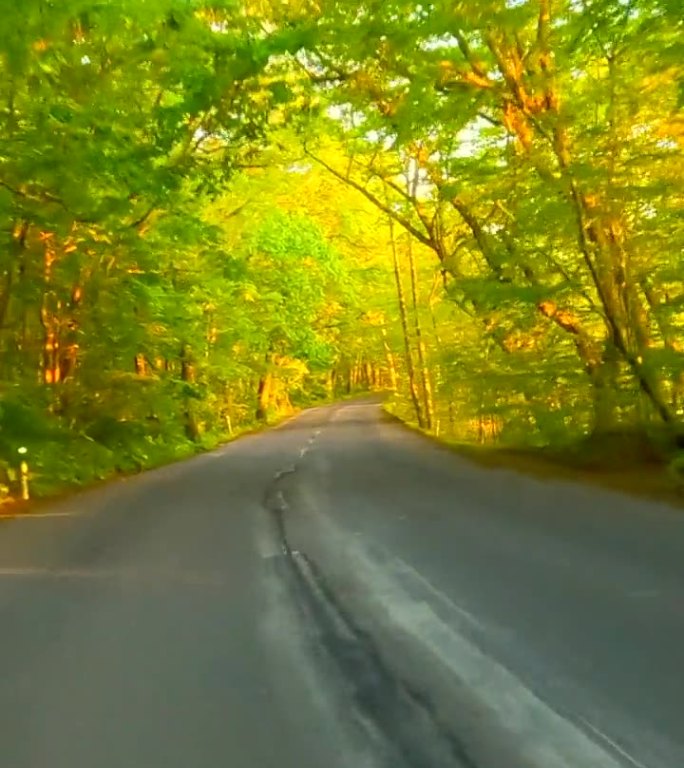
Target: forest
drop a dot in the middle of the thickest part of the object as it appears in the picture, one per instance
(217, 212)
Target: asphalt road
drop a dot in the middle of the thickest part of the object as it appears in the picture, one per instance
(341, 592)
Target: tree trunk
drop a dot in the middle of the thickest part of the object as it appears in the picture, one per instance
(401, 300)
(228, 408)
(391, 366)
(192, 430)
(264, 395)
(428, 403)
(604, 377)
(16, 249)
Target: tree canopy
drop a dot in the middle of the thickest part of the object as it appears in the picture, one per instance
(214, 212)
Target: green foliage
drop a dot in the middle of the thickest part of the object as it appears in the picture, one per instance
(544, 142)
(196, 223)
(127, 316)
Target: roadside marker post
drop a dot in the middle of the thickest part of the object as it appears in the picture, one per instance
(24, 474)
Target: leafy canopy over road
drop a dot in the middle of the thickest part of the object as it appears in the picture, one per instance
(215, 211)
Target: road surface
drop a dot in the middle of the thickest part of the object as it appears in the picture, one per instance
(342, 592)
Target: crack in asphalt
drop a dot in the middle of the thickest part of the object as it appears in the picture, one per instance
(402, 715)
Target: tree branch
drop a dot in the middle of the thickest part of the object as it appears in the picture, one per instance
(387, 209)
(45, 197)
(464, 48)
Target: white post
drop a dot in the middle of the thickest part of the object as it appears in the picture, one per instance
(24, 476)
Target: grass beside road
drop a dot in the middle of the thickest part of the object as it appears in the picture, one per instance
(645, 479)
(624, 462)
(80, 470)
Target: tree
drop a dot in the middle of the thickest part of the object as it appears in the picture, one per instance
(491, 103)
(118, 120)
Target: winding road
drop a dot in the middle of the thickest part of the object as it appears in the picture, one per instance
(341, 592)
